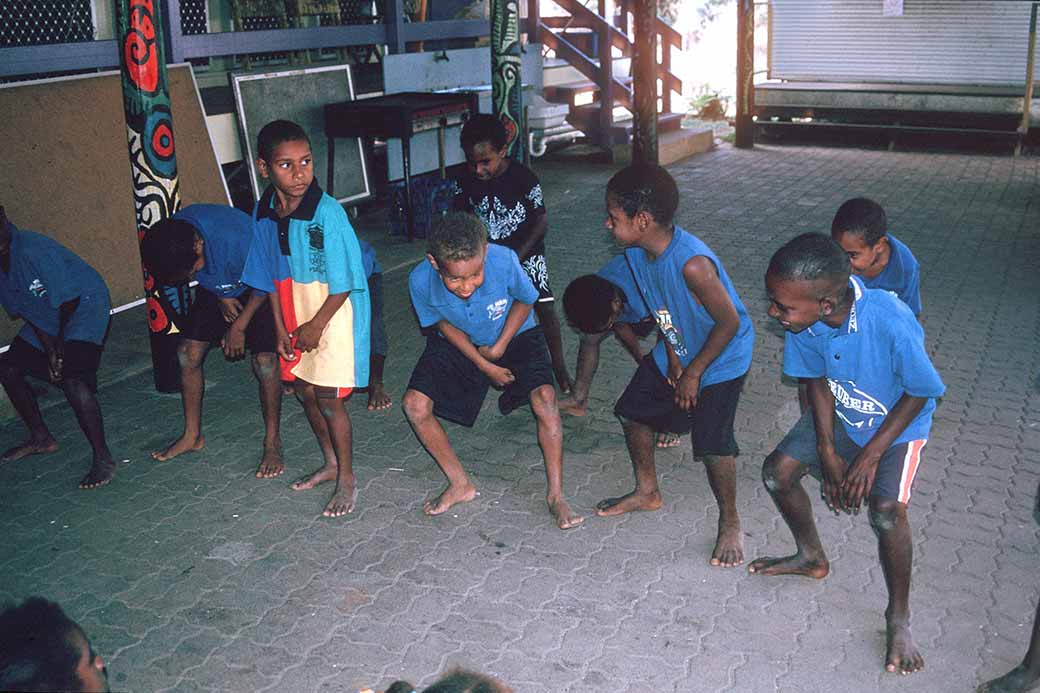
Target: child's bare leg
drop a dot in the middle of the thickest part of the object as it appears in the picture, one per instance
(722, 476)
(576, 403)
(546, 314)
(191, 353)
(377, 396)
(418, 408)
(646, 496)
(782, 478)
(265, 368)
(88, 414)
(20, 393)
(550, 440)
(1023, 677)
(330, 470)
(342, 435)
(896, 549)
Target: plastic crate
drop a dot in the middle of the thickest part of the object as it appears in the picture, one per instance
(431, 197)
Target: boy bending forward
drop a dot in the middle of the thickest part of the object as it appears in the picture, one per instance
(479, 299)
(872, 389)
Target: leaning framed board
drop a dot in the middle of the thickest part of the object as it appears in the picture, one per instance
(300, 96)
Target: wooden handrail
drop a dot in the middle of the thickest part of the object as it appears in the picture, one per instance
(581, 62)
(670, 35)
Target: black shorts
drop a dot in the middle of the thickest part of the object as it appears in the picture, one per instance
(80, 360)
(895, 473)
(458, 388)
(205, 322)
(650, 400)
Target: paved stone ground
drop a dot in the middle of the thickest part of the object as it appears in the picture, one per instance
(194, 575)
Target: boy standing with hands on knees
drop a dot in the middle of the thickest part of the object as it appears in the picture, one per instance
(476, 302)
(692, 379)
(872, 389)
(306, 257)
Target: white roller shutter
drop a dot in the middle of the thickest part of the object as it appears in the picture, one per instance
(934, 42)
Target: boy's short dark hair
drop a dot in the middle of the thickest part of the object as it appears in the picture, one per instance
(863, 217)
(483, 127)
(168, 250)
(456, 236)
(37, 652)
(645, 188)
(276, 132)
(588, 303)
(811, 257)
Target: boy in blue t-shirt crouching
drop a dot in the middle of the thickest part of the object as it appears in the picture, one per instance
(872, 390)
(479, 300)
(692, 379)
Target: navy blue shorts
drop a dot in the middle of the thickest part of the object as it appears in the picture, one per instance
(895, 473)
(80, 360)
(205, 322)
(379, 344)
(650, 400)
(457, 387)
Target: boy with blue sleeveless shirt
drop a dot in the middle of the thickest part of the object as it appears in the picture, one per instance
(209, 243)
(872, 390)
(880, 259)
(693, 377)
(65, 305)
(305, 255)
(476, 301)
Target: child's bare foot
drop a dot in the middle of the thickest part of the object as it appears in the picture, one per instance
(791, 565)
(101, 472)
(668, 440)
(30, 447)
(631, 502)
(343, 499)
(1018, 680)
(729, 546)
(377, 397)
(565, 517)
(901, 654)
(326, 473)
(569, 405)
(179, 447)
(450, 496)
(271, 464)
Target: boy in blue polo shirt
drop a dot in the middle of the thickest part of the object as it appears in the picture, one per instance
(65, 305)
(880, 259)
(209, 243)
(479, 301)
(692, 379)
(305, 255)
(872, 388)
(596, 305)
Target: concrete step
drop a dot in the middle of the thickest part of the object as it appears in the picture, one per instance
(571, 93)
(672, 146)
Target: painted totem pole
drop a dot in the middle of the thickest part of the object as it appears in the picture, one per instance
(153, 166)
(506, 85)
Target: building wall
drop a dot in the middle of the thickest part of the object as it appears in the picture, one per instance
(934, 42)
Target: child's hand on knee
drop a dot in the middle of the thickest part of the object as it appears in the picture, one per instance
(500, 377)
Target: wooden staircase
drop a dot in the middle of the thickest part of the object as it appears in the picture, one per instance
(600, 101)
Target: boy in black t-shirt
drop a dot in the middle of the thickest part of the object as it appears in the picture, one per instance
(507, 196)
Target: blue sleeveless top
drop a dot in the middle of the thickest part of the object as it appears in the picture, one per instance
(684, 322)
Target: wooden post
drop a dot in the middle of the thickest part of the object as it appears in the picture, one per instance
(153, 165)
(506, 86)
(606, 87)
(1027, 99)
(666, 67)
(745, 136)
(534, 17)
(644, 82)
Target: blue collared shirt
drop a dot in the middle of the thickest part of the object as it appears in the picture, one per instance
(901, 276)
(226, 234)
(45, 274)
(482, 315)
(876, 356)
